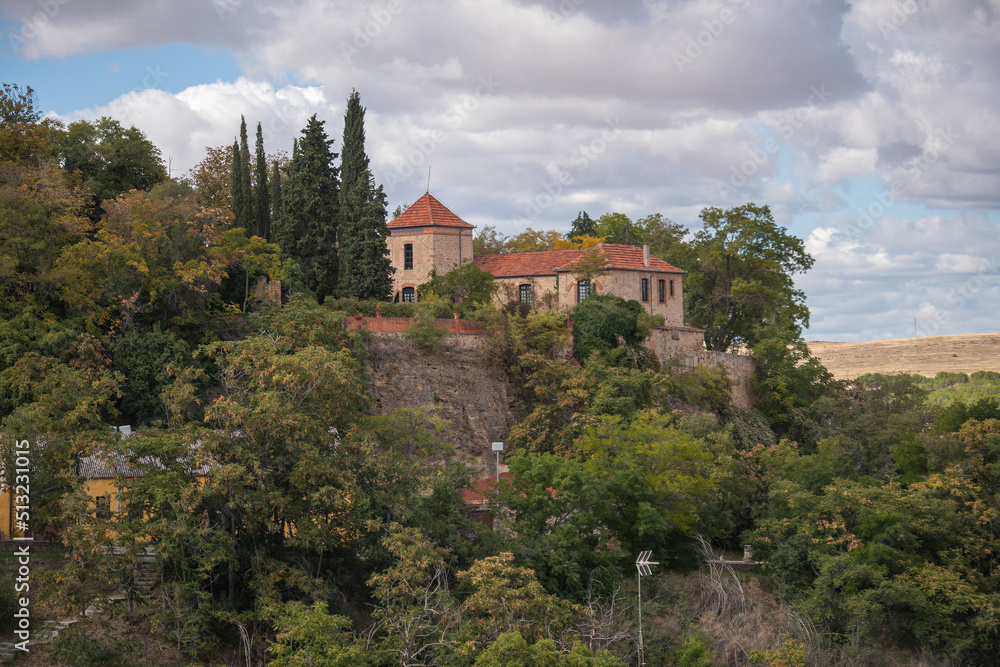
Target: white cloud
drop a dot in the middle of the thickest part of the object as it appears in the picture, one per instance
(846, 163)
(183, 125)
(716, 101)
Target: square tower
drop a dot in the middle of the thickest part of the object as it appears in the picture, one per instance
(425, 237)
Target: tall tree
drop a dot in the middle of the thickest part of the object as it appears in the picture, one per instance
(618, 228)
(740, 277)
(245, 216)
(108, 159)
(307, 227)
(22, 136)
(275, 192)
(365, 270)
(237, 196)
(212, 177)
(262, 197)
(584, 225)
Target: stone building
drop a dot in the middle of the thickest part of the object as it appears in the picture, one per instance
(428, 236)
(548, 279)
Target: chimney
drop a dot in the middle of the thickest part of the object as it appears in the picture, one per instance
(645, 255)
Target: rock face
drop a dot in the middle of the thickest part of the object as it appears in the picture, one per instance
(459, 380)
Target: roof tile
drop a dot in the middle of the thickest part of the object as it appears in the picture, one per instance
(550, 262)
(426, 212)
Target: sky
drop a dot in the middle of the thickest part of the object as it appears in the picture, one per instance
(868, 127)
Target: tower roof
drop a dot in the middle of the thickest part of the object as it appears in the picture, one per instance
(426, 212)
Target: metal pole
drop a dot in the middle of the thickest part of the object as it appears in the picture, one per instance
(642, 659)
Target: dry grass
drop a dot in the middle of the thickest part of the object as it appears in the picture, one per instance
(926, 356)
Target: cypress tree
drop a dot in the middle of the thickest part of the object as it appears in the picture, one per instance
(236, 184)
(245, 216)
(365, 268)
(275, 192)
(262, 197)
(306, 230)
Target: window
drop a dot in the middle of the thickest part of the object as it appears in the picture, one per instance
(409, 295)
(582, 290)
(524, 294)
(662, 290)
(671, 289)
(103, 507)
(408, 257)
(645, 289)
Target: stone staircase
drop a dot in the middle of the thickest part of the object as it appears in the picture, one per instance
(147, 577)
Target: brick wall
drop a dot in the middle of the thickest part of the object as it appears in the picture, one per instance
(397, 325)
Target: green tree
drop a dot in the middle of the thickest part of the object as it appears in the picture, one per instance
(466, 284)
(143, 358)
(488, 241)
(555, 521)
(584, 225)
(531, 240)
(237, 195)
(39, 219)
(363, 257)
(511, 650)
(313, 636)
(618, 228)
(154, 260)
(659, 476)
(307, 227)
(108, 160)
(22, 137)
(415, 606)
(600, 319)
(262, 197)
(212, 177)
(276, 194)
(740, 279)
(245, 214)
(788, 381)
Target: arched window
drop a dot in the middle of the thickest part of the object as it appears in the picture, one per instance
(409, 295)
(582, 290)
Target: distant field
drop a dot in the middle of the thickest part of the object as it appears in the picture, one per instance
(966, 353)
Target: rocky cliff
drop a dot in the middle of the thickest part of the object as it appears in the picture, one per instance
(459, 381)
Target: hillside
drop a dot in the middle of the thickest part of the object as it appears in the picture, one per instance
(928, 356)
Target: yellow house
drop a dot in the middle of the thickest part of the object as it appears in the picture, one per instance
(99, 473)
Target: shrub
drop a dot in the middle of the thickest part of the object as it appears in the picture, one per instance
(8, 604)
(425, 333)
(600, 319)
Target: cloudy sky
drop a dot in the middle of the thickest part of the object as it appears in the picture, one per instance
(869, 127)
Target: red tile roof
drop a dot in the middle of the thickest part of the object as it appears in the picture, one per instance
(549, 262)
(428, 211)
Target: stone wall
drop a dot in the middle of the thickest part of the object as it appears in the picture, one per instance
(687, 345)
(434, 247)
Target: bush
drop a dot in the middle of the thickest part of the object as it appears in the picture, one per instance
(8, 604)
(370, 308)
(425, 333)
(600, 319)
(142, 357)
